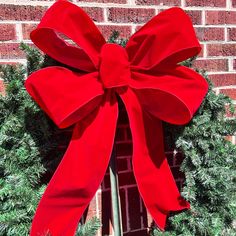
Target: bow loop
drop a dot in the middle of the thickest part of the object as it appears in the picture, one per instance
(165, 40)
(173, 96)
(65, 96)
(114, 66)
(63, 17)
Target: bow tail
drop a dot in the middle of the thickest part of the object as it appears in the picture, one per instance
(79, 174)
(152, 172)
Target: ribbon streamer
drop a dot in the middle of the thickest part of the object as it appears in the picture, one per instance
(152, 85)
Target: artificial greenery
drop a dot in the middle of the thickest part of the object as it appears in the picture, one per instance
(209, 166)
(115, 38)
(23, 145)
(25, 165)
(90, 228)
(210, 170)
(28, 151)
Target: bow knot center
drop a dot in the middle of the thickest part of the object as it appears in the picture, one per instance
(114, 66)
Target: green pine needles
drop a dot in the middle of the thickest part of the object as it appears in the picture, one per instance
(27, 143)
(23, 145)
(210, 170)
(90, 228)
(209, 167)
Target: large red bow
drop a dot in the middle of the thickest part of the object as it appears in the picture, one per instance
(153, 87)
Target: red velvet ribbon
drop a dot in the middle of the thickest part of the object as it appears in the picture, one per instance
(153, 86)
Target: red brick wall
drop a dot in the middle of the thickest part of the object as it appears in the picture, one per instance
(215, 24)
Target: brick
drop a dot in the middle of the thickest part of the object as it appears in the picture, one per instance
(2, 88)
(128, 134)
(21, 12)
(104, 1)
(159, 2)
(177, 173)
(126, 15)
(124, 31)
(169, 157)
(123, 205)
(210, 34)
(234, 3)
(130, 161)
(232, 34)
(123, 117)
(229, 113)
(229, 92)
(212, 65)
(99, 202)
(179, 184)
(234, 64)
(91, 211)
(124, 149)
(95, 13)
(178, 159)
(141, 232)
(221, 49)
(168, 144)
(126, 178)
(149, 219)
(106, 213)
(205, 3)
(229, 138)
(134, 208)
(27, 29)
(122, 164)
(10, 63)
(196, 17)
(144, 215)
(106, 180)
(120, 134)
(7, 32)
(10, 51)
(223, 79)
(220, 17)
(201, 52)
(138, 27)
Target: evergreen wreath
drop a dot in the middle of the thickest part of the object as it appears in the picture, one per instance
(26, 151)
(209, 163)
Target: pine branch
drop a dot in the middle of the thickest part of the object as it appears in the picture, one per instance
(33, 56)
(209, 167)
(90, 228)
